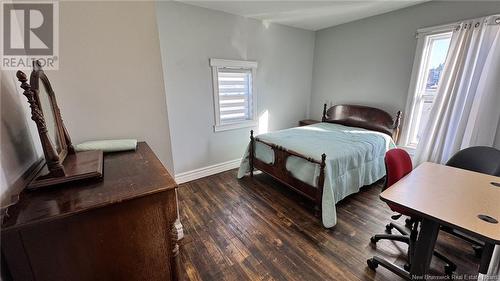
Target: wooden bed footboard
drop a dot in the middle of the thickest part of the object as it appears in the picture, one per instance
(278, 171)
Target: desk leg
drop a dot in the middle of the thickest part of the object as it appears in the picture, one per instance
(424, 249)
(486, 258)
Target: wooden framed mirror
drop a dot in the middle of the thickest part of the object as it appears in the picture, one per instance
(62, 163)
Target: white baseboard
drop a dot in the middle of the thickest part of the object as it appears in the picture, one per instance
(207, 171)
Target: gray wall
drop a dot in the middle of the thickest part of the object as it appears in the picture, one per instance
(110, 82)
(369, 61)
(189, 37)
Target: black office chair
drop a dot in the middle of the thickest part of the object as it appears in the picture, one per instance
(481, 159)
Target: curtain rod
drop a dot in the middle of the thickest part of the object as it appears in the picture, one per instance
(449, 26)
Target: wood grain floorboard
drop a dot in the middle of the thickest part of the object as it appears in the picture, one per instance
(257, 229)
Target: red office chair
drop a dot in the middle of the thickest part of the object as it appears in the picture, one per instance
(398, 164)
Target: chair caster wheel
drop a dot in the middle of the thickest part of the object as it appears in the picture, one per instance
(388, 229)
(407, 267)
(373, 240)
(372, 263)
(408, 222)
(478, 251)
(449, 269)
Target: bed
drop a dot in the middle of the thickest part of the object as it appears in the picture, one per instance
(327, 161)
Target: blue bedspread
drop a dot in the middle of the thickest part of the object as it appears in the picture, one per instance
(354, 158)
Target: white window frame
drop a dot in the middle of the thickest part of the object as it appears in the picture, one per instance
(415, 96)
(217, 64)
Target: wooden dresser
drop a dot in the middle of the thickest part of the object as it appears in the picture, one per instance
(122, 228)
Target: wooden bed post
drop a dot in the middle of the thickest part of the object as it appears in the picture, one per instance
(251, 152)
(323, 119)
(395, 133)
(321, 183)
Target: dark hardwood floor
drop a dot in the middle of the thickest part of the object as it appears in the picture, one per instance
(256, 229)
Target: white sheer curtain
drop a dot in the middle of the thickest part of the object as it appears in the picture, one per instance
(466, 111)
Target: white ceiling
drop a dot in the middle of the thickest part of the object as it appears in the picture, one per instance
(311, 15)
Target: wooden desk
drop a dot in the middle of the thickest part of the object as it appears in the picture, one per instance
(448, 196)
(120, 228)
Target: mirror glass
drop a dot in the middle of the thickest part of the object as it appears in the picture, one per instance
(49, 116)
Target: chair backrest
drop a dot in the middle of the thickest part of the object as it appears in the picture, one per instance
(398, 164)
(482, 159)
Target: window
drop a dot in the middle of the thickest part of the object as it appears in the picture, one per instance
(234, 97)
(432, 49)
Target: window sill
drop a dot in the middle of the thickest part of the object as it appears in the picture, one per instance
(234, 126)
(410, 149)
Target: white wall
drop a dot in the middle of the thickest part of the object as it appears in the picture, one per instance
(189, 37)
(110, 82)
(369, 61)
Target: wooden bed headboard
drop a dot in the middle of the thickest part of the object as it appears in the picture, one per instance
(363, 117)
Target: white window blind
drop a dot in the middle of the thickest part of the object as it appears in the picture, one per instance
(234, 98)
(235, 95)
